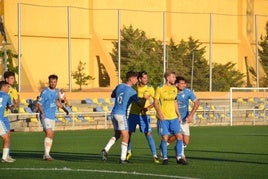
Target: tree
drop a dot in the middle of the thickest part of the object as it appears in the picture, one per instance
(226, 76)
(263, 53)
(80, 76)
(8, 58)
(138, 52)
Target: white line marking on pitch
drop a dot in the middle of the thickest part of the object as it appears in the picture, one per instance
(99, 171)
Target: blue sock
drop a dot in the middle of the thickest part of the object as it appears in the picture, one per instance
(164, 149)
(129, 146)
(151, 144)
(179, 145)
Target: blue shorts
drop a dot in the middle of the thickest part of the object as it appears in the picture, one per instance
(4, 126)
(142, 120)
(168, 127)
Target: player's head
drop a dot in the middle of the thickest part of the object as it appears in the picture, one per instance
(132, 77)
(170, 77)
(52, 81)
(143, 77)
(9, 76)
(180, 82)
(4, 86)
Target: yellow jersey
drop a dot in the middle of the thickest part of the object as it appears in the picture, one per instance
(14, 95)
(142, 91)
(167, 98)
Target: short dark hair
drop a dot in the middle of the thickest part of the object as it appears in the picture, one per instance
(7, 74)
(53, 76)
(141, 73)
(130, 74)
(3, 83)
(180, 78)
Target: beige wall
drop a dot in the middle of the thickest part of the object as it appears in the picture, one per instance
(44, 32)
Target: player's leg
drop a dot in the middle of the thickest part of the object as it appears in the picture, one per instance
(176, 129)
(48, 141)
(186, 137)
(145, 127)
(112, 140)
(162, 128)
(133, 121)
(171, 139)
(5, 134)
(124, 143)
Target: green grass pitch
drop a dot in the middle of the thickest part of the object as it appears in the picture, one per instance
(214, 152)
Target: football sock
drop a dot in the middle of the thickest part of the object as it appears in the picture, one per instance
(151, 144)
(164, 149)
(123, 150)
(47, 145)
(179, 146)
(129, 146)
(110, 144)
(5, 153)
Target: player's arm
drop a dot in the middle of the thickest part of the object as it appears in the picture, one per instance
(177, 110)
(40, 109)
(158, 110)
(192, 112)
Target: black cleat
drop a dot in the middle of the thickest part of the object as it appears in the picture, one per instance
(104, 155)
(165, 162)
(182, 162)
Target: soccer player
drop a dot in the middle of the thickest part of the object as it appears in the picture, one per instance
(139, 117)
(124, 94)
(5, 102)
(183, 97)
(47, 106)
(9, 77)
(168, 116)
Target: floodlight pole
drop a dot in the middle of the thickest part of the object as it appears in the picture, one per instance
(192, 71)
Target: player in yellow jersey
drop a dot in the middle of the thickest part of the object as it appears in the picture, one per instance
(9, 77)
(139, 117)
(168, 116)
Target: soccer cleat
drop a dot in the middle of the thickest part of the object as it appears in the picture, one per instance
(8, 160)
(156, 160)
(165, 162)
(104, 155)
(129, 155)
(123, 162)
(47, 157)
(182, 161)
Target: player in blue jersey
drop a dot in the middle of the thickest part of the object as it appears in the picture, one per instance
(168, 115)
(47, 106)
(183, 97)
(124, 95)
(5, 102)
(140, 118)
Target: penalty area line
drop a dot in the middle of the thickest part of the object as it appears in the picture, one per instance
(97, 171)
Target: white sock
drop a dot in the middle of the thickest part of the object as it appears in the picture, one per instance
(123, 150)
(47, 145)
(5, 153)
(110, 144)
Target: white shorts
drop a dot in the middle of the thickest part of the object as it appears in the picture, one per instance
(4, 126)
(185, 128)
(120, 122)
(48, 124)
